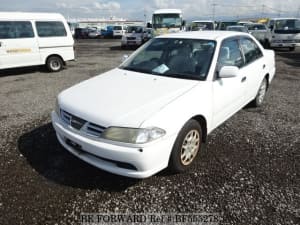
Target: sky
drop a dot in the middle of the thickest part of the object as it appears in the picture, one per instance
(142, 9)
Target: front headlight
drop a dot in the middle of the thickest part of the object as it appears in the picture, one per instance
(133, 135)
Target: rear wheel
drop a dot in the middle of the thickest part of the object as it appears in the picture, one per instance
(54, 64)
(186, 147)
(257, 102)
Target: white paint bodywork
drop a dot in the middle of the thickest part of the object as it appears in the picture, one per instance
(38, 49)
(124, 98)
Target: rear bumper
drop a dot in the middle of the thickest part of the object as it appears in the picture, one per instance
(132, 161)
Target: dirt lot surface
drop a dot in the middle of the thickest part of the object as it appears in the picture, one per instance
(248, 171)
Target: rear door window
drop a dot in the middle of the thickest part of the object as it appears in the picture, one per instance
(251, 50)
(50, 29)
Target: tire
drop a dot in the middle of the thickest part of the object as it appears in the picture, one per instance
(54, 64)
(257, 102)
(186, 147)
(267, 44)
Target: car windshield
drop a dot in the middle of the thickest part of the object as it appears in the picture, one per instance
(166, 20)
(117, 28)
(256, 27)
(173, 57)
(202, 26)
(287, 26)
(134, 29)
(237, 28)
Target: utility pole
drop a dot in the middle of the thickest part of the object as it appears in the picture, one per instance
(263, 10)
(145, 16)
(214, 10)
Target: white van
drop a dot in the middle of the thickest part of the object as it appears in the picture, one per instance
(28, 39)
(119, 31)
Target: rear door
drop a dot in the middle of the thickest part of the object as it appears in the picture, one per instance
(255, 67)
(19, 46)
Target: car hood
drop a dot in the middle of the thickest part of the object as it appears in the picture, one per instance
(122, 98)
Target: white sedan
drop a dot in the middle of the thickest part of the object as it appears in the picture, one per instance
(156, 109)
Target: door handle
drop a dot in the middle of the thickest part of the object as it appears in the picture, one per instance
(244, 79)
(264, 66)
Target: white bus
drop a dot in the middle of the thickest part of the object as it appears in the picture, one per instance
(167, 21)
(29, 39)
(285, 33)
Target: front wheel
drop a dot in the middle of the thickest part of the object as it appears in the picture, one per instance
(186, 147)
(54, 64)
(257, 102)
(267, 44)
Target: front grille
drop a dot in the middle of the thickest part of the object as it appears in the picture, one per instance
(94, 129)
(81, 124)
(130, 38)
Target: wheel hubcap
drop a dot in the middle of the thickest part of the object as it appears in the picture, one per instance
(190, 147)
(55, 65)
(262, 91)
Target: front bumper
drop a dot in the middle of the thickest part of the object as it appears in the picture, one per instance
(131, 161)
(131, 42)
(284, 44)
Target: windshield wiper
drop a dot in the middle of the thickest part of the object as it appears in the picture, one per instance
(184, 76)
(135, 69)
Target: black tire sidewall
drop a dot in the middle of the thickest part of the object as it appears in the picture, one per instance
(175, 164)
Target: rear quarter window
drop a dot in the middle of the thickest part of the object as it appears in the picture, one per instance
(50, 29)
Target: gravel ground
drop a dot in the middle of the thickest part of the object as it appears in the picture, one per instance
(248, 171)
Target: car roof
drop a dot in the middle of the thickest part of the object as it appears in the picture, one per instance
(167, 11)
(29, 16)
(238, 26)
(206, 35)
(202, 21)
(285, 18)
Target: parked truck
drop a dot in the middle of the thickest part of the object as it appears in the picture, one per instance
(285, 33)
(260, 32)
(167, 21)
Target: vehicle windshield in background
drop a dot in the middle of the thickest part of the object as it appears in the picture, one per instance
(256, 27)
(172, 57)
(224, 25)
(237, 28)
(287, 26)
(202, 26)
(166, 21)
(134, 29)
(117, 28)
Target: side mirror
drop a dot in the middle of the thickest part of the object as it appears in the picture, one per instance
(228, 71)
(183, 23)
